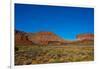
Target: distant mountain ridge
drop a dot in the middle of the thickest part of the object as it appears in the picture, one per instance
(49, 38)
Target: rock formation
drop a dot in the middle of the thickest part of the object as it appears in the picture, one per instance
(85, 37)
(21, 38)
(45, 38)
(49, 38)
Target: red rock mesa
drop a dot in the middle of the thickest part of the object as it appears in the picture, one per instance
(85, 37)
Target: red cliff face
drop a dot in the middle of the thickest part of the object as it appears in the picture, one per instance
(39, 38)
(21, 38)
(44, 38)
(85, 37)
(49, 38)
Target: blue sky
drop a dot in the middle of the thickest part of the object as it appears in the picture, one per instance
(66, 22)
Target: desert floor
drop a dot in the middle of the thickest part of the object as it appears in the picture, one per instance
(32, 54)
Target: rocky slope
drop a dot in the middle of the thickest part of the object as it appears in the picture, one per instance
(21, 38)
(49, 38)
(45, 38)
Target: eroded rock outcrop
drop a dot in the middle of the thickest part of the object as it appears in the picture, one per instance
(49, 38)
(45, 38)
(21, 38)
(85, 37)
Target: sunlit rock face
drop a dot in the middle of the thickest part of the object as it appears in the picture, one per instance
(49, 38)
(85, 37)
(38, 38)
(45, 38)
